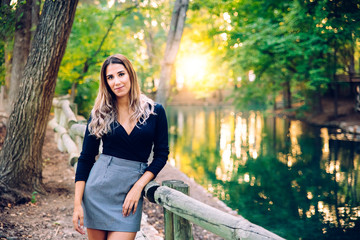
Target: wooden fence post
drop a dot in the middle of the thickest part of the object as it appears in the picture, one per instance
(176, 227)
(182, 227)
(169, 216)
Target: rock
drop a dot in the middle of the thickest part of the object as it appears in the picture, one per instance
(343, 125)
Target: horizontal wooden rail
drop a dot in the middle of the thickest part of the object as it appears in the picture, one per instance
(209, 218)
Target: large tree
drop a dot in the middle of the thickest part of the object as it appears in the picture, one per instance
(21, 156)
(26, 18)
(172, 46)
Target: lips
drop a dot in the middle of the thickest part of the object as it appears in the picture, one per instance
(118, 88)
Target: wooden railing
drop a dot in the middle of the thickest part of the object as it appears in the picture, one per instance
(69, 132)
(179, 208)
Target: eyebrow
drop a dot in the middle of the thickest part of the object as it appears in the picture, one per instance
(117, 72)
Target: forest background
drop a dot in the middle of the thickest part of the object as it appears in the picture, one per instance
(265, 51)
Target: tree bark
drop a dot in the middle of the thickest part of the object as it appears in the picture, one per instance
(35, 15)
(8, 60)
(172, 47)
(21, 156)
(21, 47)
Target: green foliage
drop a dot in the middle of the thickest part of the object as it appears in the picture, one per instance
(2, 62)
(7, 22)
(93, 38)
(85, 96)
(33, 197)
(250, 96)
(285, 41)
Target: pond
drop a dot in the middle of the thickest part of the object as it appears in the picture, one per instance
(296, 180)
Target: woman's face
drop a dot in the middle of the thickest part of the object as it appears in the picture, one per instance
(118, 79)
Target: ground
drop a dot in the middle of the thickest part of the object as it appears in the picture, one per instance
(49, 216)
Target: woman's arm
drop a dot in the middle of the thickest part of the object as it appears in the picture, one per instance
(133, 196)
(161, 142)
(161, 152)
(78, 215)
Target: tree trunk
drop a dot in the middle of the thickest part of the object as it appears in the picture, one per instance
(317, 103)
(8, 60)
(287, 94)
(352, 72)
(172, 47)
(335, 83)
(21, 47)
(7, 55)
(35, 14)
(20, 158)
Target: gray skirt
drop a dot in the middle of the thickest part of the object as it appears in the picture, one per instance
(110, 179)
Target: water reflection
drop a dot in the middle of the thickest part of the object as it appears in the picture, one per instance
(296, 180)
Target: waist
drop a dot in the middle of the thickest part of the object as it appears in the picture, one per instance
(129, 156)
(121, 161)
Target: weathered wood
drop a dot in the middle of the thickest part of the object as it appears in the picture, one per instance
(150, 189)
(67, 111)
(73, 158)
(66, 117)
(182, 227)
(168, 215)
(78, 129)
(56, 127)
(79, 141)
(71, 148)
(209, 218)
(65, 142)
(57, 113)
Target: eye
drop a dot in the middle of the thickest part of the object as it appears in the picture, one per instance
(121, 74)
(109, 77)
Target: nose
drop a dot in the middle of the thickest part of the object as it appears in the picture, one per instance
(117, 80)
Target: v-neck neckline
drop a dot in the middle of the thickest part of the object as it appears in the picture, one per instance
(132, 130)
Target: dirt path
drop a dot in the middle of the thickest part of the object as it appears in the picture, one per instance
(50, 216)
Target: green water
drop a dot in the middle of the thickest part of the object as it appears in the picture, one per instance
(293, 179)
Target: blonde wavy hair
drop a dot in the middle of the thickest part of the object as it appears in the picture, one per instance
(105, 111)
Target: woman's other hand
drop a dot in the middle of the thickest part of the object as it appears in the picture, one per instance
(78, 219)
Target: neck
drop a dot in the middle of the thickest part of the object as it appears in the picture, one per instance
(123, 103)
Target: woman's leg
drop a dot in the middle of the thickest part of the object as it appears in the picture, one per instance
(121, 235)
(95, 234)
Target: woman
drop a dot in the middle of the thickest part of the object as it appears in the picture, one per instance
(108, 192)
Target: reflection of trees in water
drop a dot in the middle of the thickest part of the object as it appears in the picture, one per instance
(345, 181)
(304, 199)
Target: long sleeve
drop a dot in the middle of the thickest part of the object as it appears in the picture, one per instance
(87, 157)
(161, 142)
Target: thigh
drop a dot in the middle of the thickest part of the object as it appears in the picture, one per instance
(95, 234)
(121, 235)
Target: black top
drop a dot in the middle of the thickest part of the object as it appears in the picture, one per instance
(136, 146)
